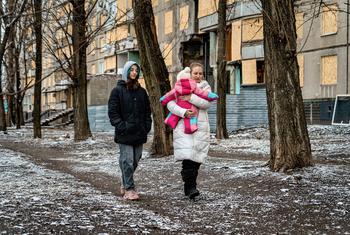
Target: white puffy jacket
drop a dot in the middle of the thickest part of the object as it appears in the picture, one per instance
(194, 146)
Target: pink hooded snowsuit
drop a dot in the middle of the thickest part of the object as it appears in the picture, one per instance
(185, 86)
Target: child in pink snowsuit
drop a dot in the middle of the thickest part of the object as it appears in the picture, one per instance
(185, 86)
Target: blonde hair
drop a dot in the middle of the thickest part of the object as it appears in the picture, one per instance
(196, 64)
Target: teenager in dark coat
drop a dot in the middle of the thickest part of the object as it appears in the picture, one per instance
(130, 113)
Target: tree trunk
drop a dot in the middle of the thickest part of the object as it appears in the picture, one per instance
(155, 74)
(221, 130)
(81, 122)
(8, 25)
(18, 99)
(2, 113)
(11, 73)
(289, 139)
(38, 69)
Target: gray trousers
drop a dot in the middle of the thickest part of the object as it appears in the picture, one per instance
(128, 161)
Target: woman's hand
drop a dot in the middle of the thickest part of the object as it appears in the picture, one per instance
(189, 113)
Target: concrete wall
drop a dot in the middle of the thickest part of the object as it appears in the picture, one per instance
(316, 45)
(312, 88)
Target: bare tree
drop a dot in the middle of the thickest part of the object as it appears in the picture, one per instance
(289, 139)
(81, 122)
(221, 129)
(155, 73)
(66, 42)
(8, 21)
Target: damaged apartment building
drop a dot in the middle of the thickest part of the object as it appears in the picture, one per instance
(187, 32)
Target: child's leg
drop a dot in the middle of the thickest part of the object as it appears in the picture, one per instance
(191, 125)
(187, 124)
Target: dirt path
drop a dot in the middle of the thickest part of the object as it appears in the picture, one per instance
(238, 195)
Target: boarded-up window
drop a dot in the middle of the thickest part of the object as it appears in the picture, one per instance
(102, 44)
(121, 11)
(92, 48)
(93, 23)
(236, 40)
(111, 35)
(168, 54)
(329, 19)
(299, 23)
(122, 32)
(252, 29)
(301, 69)
(154, 2)
(329, 70)
(110, 63)
(168, 23)
(103, 19)
(207, 7)
(93, 69)
(184, 17)
(249, 71)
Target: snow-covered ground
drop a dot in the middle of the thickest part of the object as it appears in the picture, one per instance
(238, 195)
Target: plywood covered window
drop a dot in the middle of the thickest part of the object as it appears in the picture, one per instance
(329, 19)
(207, 7)
(122, 32)
(92, 48)
(168, 23)
(102, 44)
(252, 29)
(110, 63)
(301, 69)
(184, 17)
(93, 23)
(154, 3)
(236, 40)
(121, 10)
(111, 35)
(93, 69)
(249, 72)
(168, 54)
(299, 23)
(329, 70)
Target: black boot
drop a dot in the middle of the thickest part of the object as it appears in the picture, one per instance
(193, 192)
(189, 175)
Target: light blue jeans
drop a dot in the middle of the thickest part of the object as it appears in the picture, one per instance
(128, 161)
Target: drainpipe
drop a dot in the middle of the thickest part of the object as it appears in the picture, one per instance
(347, 47)
(196, 17)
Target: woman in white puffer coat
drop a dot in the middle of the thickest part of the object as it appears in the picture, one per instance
(192, 149)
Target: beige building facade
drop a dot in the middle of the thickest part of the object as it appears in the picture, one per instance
(186, 33)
